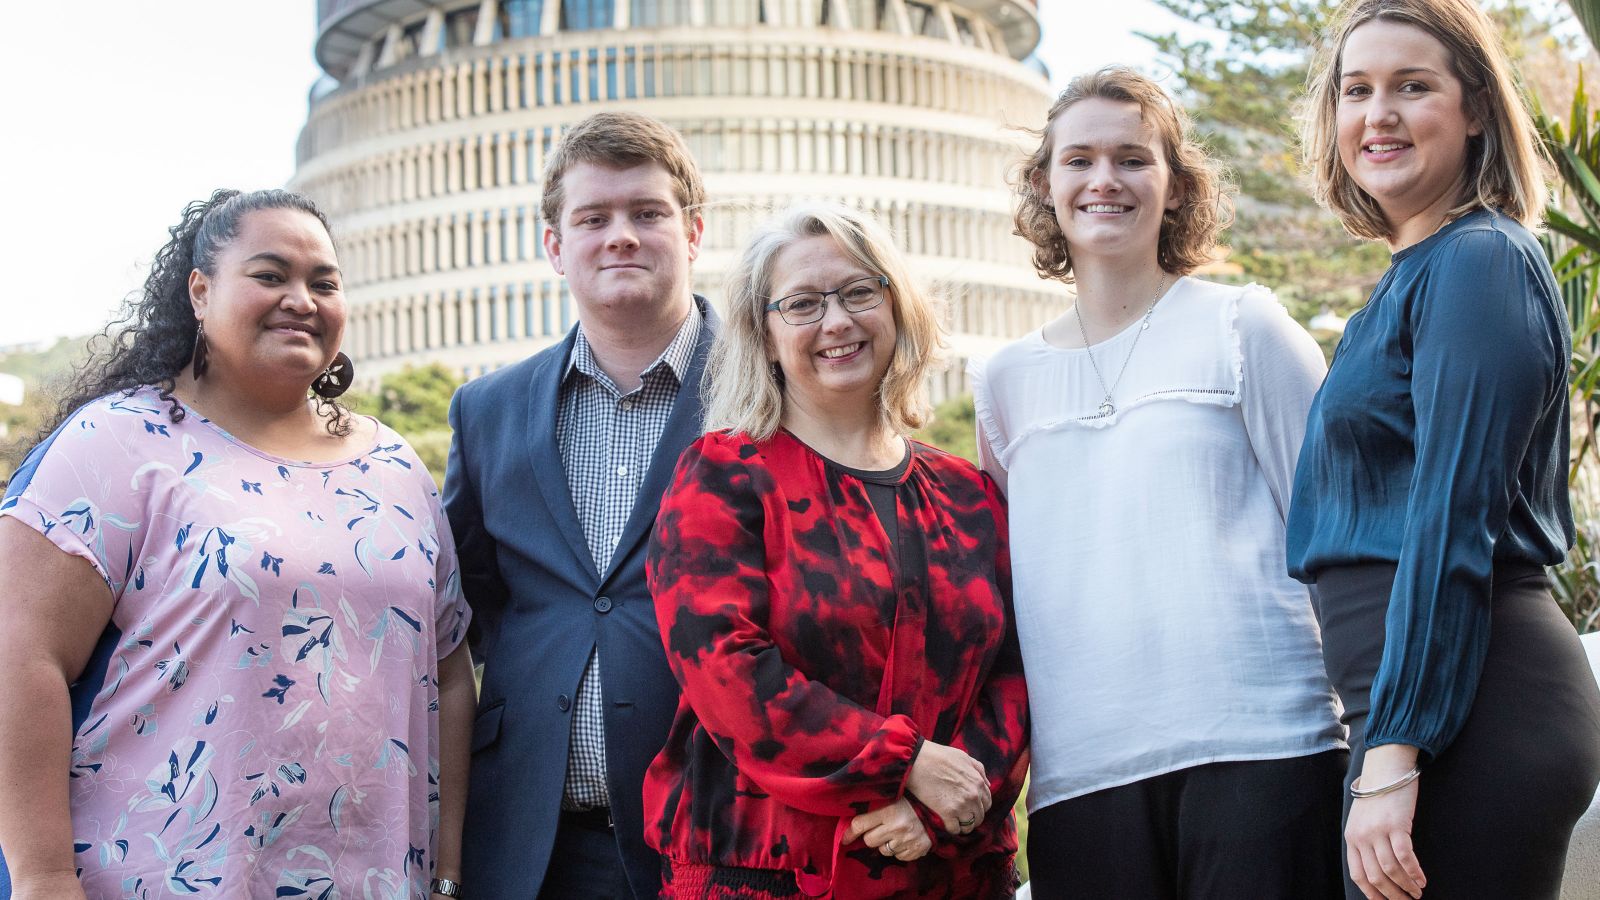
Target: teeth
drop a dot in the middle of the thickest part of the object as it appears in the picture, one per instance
(836, 352)
(1105, 208)
(1383, 148)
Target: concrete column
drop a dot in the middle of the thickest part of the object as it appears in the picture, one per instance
(513, 301)
(429, 38)
(483, 34)
(496, 85)
(494, 252)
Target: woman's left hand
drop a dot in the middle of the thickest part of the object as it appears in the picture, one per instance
(892, 830)
(1377, 835)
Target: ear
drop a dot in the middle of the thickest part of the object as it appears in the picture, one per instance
(697, 231)
(1474, 128)
(1177, 192)
(552, 249)
(199, 293)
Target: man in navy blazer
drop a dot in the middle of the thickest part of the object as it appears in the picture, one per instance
(556, 471)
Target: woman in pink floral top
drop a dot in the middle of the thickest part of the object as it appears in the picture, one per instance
(233, 641)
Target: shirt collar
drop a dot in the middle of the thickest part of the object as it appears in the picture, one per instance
(676, 357)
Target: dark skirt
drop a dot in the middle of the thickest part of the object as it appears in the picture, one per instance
(1496, 809)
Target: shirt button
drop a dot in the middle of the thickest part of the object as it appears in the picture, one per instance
(622, 470)
(563, 703)
(602, 604)
(627, 405)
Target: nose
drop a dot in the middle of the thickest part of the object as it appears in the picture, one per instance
(1382, 111)
(620, 235)
(1104, 178)
(834, 316)
(297, 298)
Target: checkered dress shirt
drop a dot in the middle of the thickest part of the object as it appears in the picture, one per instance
(607, 439)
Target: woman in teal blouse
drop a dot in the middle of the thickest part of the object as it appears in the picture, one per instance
(1431, 490)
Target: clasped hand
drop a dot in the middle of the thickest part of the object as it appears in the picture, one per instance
(951, 784)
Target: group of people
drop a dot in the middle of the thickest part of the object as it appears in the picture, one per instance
(1257, 627)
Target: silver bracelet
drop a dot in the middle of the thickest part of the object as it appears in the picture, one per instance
(1362, 794)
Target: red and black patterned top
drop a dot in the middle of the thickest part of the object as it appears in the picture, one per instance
(814, 660)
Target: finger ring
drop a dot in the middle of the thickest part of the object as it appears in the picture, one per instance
(889, 846)
(967, 823)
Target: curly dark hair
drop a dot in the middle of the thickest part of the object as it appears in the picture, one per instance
(153, 336)
(1188, 234)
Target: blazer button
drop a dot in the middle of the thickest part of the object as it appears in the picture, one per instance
(602, 604)
(563, 703)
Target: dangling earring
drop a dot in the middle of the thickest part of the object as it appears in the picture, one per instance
(201, 360)
(336, 378)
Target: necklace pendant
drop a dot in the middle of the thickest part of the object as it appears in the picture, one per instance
(1106, 407)
(1146, 325)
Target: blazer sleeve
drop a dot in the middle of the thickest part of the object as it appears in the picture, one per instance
(802, 742)
(476, 559)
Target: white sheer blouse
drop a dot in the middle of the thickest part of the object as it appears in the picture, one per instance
(1160, 629)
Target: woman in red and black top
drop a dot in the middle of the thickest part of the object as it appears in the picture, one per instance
(835, 600)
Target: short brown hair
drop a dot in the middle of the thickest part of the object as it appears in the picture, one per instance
(1188, 234)
(744, 391)
(1505, 167)
(622, 140)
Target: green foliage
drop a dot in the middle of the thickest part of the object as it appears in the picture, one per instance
(411, 401)
(1574, 251)
(954, 428)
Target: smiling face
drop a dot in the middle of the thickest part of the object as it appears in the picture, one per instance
(274, 307)
(838, 361)
(623, 243)
(1402, 127)
(1109, 180)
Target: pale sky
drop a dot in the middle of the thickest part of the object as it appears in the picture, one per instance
(121, 112)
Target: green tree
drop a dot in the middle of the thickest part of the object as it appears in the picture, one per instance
(954, 428)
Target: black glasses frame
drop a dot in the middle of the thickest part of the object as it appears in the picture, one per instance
(822, 308)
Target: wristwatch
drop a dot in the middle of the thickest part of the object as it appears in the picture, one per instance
(447, 888)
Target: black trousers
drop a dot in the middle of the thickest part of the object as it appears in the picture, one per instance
(1263, 829)
(585, 864)
(1495, 811)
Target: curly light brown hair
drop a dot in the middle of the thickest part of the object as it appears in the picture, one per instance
(1188, 233)
(1506, 164)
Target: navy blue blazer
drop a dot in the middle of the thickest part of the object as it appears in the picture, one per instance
(539, 608)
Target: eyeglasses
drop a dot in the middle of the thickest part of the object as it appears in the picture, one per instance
(809, 306)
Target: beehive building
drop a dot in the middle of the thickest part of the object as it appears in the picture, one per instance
(426, 138)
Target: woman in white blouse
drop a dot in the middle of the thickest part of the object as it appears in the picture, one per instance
(1185, 738)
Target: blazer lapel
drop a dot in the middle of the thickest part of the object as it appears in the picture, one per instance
(683, 426)
(549, 472)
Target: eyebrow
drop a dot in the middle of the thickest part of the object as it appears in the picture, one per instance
(632, 204)
(274, 258)
(1408, 70)
(1145, 147)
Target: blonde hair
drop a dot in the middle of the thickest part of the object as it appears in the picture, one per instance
(1188, 234)
(622, 140)
(1505, 167)
(745, 391)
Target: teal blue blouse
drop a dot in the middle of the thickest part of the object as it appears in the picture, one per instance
(1439, 443)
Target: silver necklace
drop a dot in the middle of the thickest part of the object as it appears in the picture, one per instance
(1106, 406)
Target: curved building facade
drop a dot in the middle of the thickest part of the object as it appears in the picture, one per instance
(426, 141)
